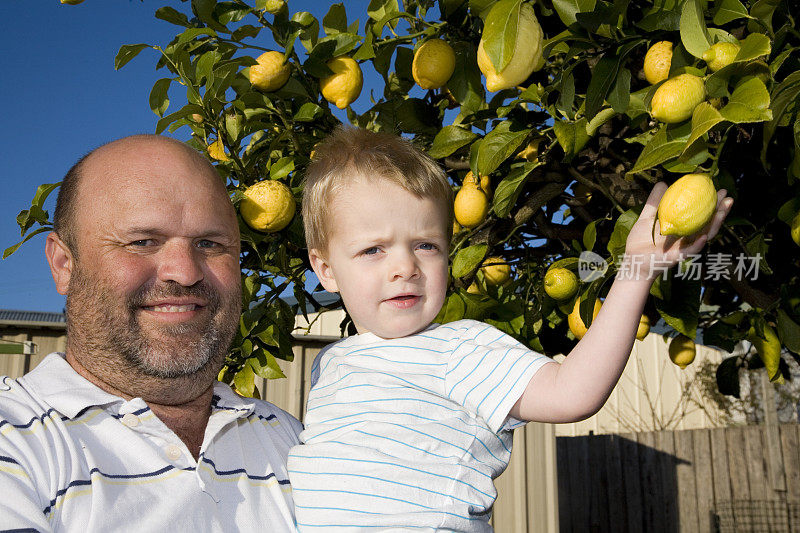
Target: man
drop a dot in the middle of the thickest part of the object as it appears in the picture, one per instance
(128, 430)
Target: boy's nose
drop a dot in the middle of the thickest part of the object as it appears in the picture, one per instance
(404, 266)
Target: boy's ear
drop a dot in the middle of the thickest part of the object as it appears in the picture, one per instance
(61, 261)
(323, 270)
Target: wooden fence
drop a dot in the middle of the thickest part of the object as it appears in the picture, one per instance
(727, 479)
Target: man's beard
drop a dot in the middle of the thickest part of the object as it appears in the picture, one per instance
(102, 326)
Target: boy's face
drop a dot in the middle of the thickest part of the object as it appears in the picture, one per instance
(386, 256)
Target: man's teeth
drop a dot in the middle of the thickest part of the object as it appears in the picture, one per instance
(174, 308)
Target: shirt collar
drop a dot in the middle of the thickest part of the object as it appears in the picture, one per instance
(61, 387)
(225, 398)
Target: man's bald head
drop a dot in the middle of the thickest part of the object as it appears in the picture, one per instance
(98, 161)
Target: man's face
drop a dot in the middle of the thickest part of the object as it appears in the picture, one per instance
(156, 281)
(387, 256)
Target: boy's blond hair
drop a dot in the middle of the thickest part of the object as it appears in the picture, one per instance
(350, 153)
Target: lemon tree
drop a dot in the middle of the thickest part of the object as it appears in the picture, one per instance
(567, 111)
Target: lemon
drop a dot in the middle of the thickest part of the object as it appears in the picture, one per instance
(682, 351)
(720, 55)
(576, 325)
(271, 72)
(471, 206)
(560, 283)
(217, 151)
(531, 151)
(644, 327)
(769, 350)
(527, 56)
(495, 270)
(343, 86)
(795, 229)
(676, 98)
(687, 205)
(456, 227)
(434, 63)
(273, 7)
(657, 61)
(485, 183)
(268, 206)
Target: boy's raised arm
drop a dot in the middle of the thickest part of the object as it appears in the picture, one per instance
(577, 388)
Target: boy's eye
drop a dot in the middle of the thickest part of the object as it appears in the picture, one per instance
(370, 251)
(428, 246)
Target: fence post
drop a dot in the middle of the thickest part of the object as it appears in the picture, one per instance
(777, 474)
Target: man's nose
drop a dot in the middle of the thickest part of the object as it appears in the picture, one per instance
(404, 266)
(180, 262)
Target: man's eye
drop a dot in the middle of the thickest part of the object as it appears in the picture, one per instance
(205, 243)
(142, 242)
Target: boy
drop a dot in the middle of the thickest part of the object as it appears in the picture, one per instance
(409, 422)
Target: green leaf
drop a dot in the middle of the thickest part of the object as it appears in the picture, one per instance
(265, 365)
(205, 67)
(172, 16)
(204, 9)
(748, 103)
(11, 249)
(335, 21)
(694, 34)
(728, 10)
(728, 377)
(465, 83)
(567, 9)
(603, 76)
(448, 140)
(763, 11)
(788, 331)
(452, 310)
(467, 259)
(619, 237)
(508, 190)
(752, 47)
(500, 32)
(310, 25)
(244, 380)
(572, 136)
(380, 9)
(281, 168)
(497, 146)
(666, 144)
(159, 100)
(682, 310)
(42, 192)
(308, 112)
(784, 95)
(126, 53)
(590, 235)
(620, 95)
(247, 30)
(704, 117)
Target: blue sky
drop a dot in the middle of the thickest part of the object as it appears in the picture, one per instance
(62, 97)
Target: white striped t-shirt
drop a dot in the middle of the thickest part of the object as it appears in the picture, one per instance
(409, 433)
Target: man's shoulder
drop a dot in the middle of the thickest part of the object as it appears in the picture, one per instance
(18, 404)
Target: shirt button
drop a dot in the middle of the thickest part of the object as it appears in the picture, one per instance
(130, 420)
(173, 452)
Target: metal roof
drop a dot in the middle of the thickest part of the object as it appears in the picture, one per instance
(41, 318)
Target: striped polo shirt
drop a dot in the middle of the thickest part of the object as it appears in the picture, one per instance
(409, 433)
(76, 458)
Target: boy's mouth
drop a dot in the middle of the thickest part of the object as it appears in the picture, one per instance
(403, 301)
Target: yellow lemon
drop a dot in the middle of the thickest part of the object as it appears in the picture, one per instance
(795, 229)
(268, 206)
(682, 351)
(471, 206)
(644, 327)
(217, 151)
(675, 99)
(527, 56)
(657, 61)
(271, 72)
(495, 270)
(434, 63)
(769, 350)
(720, 55)
(273, 7)
(560, 283)
(687, 205)
(343, 86)
(576, 325)
(485, 183)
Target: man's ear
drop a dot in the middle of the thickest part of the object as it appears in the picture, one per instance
(61, 261)
(323, 270)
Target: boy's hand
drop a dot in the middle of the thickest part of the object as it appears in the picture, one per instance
(643, 252)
